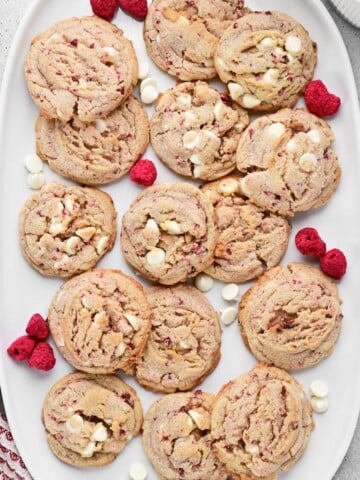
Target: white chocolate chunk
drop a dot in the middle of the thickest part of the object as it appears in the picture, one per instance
(271, 75)
(183, 344)
(111, 52)
(86, 233)
(314, 135)
(74, 424)
(100, 433)
(210, 134)
(35, 180)
(195, 159)
(100, 125)
(235, 90)
(293, 44)
(230, 292)
(102, 244)
(268, 42)
(228, 315)
(152, 226)
(276, 130)
(203, 282)
(84, 302)
(134, 321)
(137, 471)
(69, 205)
(72, 244)
(100, 319)
(202, 421)
(228, 186)
(245, 187)
(184, 100)
(33, 163)
(197, 172)
(88, 450)
(172, 227)
(120, 349)
(155, 256)
(250, 101)
(190, 118)
(279, 51)
(252, 449)
(319, 389)
(291, 146)
(149, 94)
(219, 111)
(319, 405)
(307, 162)
(191, 139)
(143, 70)
(56, 227)
(62, 262)
(147, 82)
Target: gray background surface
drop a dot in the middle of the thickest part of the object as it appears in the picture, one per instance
(11, 13)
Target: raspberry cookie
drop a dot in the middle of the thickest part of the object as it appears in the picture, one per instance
(81, 67)
(287, 162)
(267, 59)
(94, 153)
(90, 418)
(181, 35)
(100, 321)
(168, 233)
(250, 240)
(65, 230)
(176, 437)
(260, 422)
(195, 130)
(184, 344)
(291, 317)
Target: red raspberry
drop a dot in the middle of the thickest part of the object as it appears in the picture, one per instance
(143, 173)
(42, 357)
(319, 100)
(21, 348)
(104, 8)
(333, 263)
(37, 327)
(308, 242)
(136, 8)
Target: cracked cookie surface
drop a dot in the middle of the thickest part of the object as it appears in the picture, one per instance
(94, 153)
(250, 240)
(260, 422)
(181, 35)
(195, 130)
(100, 321)
(267, 59)
(168, 233)
(287, 162)
(90, 418)
(65, 230)
(80, 66)
(184, 343)
(291, 317)
(176, 437)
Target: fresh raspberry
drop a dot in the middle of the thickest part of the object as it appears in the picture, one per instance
(42, 357)
(308, 242)
(136, 8)
(143, 173)
(104, 8)
(37, 327)
(333, 263)
(21, 348)
(319, 100)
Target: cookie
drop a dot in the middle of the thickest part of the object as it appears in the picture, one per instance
(287, 162)
(176, 437)
(65, 230)
(94, 153)
(100, 321)
(181, 35)
(184, 343)
(90, 418)
(266, 59)
(260, 422)
(195, 130)
(291, 317)
(250, 240)
(81, 67)
(168, 233)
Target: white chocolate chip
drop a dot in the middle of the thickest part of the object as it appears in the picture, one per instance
(268, 42)
(279, 51)
(33, 163)
(86, 233)
(228, 315)
(203, 282)
(276, 129)
(211, 134)
(219, 111)
(134, 321)
(314, 135)
(235, 90)
(110, 52)
(84, 302)
(172, 227)
(137, 471)
(197, 172)
(100, 320)
(195, 159)
(319, 389)
(271, 75)
(64, 260)
(149, 94)
(35, 180)
(245, 187)
(68, 204)
(100, 125)
(56, 227)
(319, 405)
(88, 450)
(291, 146)
(307, 162)
(190, 118)
(183, 344)
(228, 186)
(293, 44)
(230, 292)
(152, 226)
(252, 449)
(155, 256)
(102, 244)
(72, 244)
(74, 424)
(250, 101)
(120, 349)
(201, 421)
(100, 433)
(191, 139)
(147, 82)
(184, 100)
(143, 70)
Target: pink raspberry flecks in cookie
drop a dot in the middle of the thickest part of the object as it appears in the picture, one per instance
(21, 348)
(319, 100)
(104, 8)
(308, 242)
(136, 8)
(143, 173)
(334, 263)
(42, 357)
(37, 327)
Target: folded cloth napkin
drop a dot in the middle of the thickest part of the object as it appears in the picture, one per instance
(11, 465)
